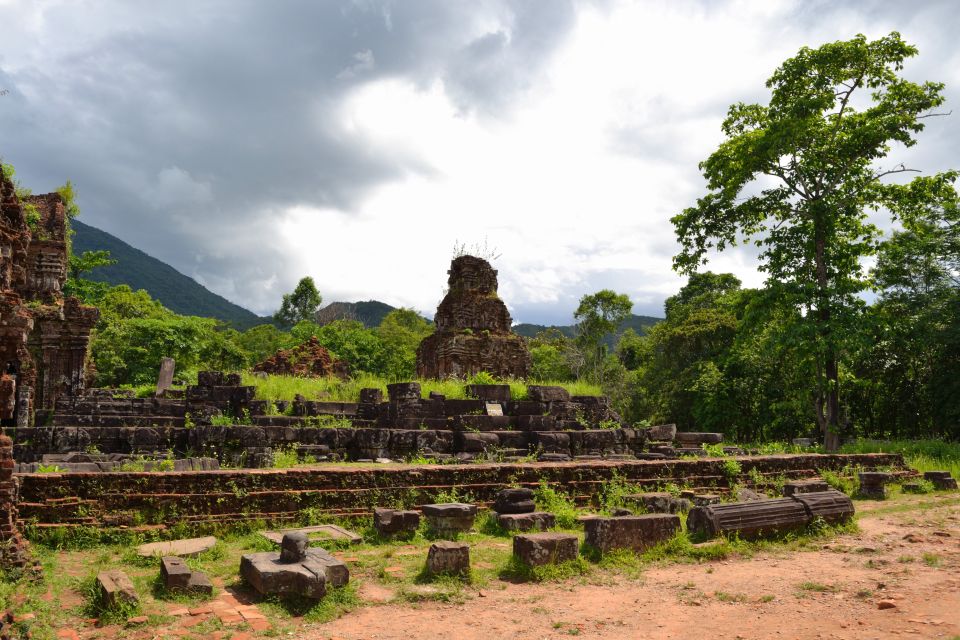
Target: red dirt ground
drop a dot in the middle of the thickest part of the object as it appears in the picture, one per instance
(833, 592)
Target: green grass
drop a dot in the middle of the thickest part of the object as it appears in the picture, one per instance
(275, 388)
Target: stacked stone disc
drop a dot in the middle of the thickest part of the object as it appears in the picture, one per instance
(516, 511)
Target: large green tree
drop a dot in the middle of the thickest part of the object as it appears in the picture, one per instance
(800, 176)
(598, 316)
(300, 305)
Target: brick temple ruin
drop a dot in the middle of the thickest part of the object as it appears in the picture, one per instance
(472, 329)
(43, 336)
(76, 456)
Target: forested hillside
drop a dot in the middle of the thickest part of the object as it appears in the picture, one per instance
(171, 288)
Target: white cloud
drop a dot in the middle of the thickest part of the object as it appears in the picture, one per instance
(567, 138)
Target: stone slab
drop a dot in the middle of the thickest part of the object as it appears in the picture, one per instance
(805, 486)
(328, 531)
(693, 437)
(186, 548)
(657, 502)
(536, 521)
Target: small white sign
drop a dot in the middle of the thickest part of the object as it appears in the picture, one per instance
(494, 409)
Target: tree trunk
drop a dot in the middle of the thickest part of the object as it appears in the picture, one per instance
(830, 423)
(831, 426)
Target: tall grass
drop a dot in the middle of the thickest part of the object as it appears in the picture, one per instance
(332, 389)
(922, 455)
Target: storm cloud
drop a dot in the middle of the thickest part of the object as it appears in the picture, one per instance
(250, 143)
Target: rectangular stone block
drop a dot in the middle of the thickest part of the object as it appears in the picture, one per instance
(536, 521)
(175, 573)
(630, 532)
(691, 437)
(392, 521)
(804, 486)
(448, 558)
(116, 588)
(538, 549)
(543, 393)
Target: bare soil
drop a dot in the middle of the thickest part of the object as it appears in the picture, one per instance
(906, 558)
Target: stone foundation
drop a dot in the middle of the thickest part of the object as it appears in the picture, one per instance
(279, 496)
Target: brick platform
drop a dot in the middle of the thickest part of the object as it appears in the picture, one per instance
(277, 496)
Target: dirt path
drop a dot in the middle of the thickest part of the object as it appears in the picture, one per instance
(903, 557)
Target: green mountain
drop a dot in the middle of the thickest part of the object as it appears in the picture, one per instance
(640, 324)
(370, 312)
(174, 290)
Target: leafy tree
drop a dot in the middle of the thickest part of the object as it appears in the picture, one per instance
(799, 176)
(76, 285)
(300, 305)
(262, 341)
(598, 316)
(400, 333)
(907, 374)
(361, 348)
(135, 332)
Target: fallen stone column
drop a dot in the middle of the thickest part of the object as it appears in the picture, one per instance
(832, 506)
(750, 520)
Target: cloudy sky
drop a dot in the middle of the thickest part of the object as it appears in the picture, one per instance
(251, 143)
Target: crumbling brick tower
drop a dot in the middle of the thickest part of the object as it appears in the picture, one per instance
(472, 328)
(43, 338)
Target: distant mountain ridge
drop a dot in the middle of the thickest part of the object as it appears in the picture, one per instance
(370, 312)
(639, 324)
(138, 270)
(186, 296)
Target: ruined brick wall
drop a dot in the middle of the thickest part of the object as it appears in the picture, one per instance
(310, 359)
(47, 253)
(17, 368)
(43, 344)
(280, 495)
(472, 328)
(13, 548)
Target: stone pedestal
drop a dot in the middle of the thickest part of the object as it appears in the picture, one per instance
(873, 484)
(296, 570)
(538, 549)
(448, 558)
(177, 577)
(450, 518)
